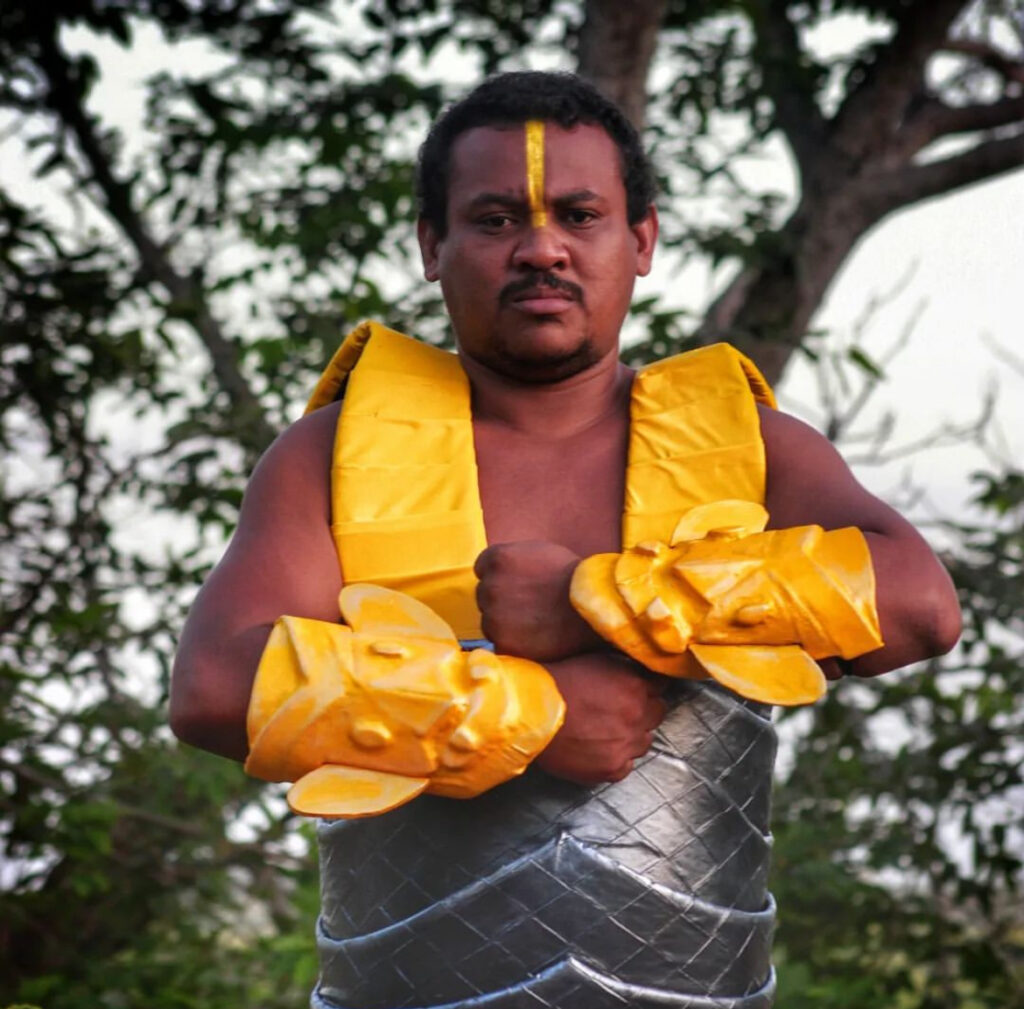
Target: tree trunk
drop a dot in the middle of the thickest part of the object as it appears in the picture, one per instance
(765, 311)
(617, 42)
(855, 167)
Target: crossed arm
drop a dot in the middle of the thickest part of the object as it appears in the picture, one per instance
(523, 595)
(282, 560)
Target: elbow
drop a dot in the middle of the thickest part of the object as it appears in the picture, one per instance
(182, 714)
(947, 623)
(185, 713)
(201, 716)
(920, 621)
(939, 620)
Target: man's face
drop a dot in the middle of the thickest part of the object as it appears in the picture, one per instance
(537, 289)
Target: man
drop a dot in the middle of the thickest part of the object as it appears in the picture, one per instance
(628, 865)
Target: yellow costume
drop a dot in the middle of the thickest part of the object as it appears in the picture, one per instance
(405, 503)
(496, 898)
(371, 714)
(751, 609)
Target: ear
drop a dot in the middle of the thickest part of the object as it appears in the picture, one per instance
(430, 247)
(646, 233)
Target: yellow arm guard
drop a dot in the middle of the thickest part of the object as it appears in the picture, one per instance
(752, 609)
(367, 716)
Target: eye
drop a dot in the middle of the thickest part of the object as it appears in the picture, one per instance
(498, 221)
(579, 217)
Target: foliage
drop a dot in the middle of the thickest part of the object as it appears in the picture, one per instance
(162, 315)
(898, 828)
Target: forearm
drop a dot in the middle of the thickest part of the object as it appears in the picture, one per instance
(613, 706)
(210, 686)
(917, 606)
(809, 483)
(365, 714)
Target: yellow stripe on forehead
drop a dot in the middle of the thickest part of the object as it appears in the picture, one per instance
(535, 172)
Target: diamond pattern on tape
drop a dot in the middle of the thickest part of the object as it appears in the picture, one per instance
(649, 891)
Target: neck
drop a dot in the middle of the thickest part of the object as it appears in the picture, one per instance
(549, 409)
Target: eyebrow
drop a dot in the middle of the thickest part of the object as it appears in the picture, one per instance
(519, 201)
(497, 199)
(576, 196)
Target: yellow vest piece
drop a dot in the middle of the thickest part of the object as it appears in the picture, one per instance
(405, 502)
(694, 438)
(406, 510)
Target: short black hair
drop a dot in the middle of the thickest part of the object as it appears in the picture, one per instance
(561, 98)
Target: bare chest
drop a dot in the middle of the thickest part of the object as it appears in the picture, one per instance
(568, 492)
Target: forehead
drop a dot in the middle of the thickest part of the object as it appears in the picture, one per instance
(493, 159)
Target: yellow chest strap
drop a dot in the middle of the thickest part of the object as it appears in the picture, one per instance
(405, 498)
(694, 438)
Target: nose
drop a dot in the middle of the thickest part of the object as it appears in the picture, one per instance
(540, 249)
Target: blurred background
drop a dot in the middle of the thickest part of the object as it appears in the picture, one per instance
(199, 197)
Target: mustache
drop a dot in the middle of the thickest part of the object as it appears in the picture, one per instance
(534, 280)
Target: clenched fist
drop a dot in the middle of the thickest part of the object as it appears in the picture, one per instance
(523, 597)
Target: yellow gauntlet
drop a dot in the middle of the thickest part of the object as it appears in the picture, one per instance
(752, 609)
(367, 716)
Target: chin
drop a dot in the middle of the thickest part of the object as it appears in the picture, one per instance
(545, 366)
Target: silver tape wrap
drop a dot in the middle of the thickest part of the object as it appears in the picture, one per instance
(647, 892)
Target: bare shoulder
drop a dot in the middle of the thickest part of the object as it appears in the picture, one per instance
(808, 481)
(312, 434)
(282, 557)
(291, 482)
(790, 443)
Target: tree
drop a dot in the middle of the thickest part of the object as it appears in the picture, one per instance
(268, 208)
(914, 840)
(868, 133)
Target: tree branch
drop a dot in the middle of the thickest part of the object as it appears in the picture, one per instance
(946, 119)
(188, 301)
(617, 42)
(995, 59)
(935, 119)
(788, 81)
(874, 109)
(719, 316)
(980, 117)
(909, 185)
